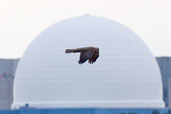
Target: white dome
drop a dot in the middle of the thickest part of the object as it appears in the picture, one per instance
(125, 74)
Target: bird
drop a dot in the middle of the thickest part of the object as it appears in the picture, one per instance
(86, 53)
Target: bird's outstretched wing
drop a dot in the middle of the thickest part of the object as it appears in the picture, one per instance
(85, 55)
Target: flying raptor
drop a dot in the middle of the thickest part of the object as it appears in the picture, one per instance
(86, 53)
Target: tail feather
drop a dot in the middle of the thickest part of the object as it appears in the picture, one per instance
(69, 51)
(72, 50)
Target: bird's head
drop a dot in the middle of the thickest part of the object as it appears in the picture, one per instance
(97, 49)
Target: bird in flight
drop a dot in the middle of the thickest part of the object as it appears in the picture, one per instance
(86, 53)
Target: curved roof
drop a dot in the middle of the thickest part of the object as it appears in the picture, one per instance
(125, 75)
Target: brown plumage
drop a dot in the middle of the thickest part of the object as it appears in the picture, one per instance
(86, 53)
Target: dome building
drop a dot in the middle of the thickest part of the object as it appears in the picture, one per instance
(125, 75)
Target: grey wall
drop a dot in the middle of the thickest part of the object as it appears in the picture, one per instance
(169, 92)
(7, 71)
(165, 69)
(6, 96)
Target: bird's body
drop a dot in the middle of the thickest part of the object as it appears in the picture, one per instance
(86, 53)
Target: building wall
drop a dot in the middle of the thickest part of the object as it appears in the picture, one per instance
(165, 69)
(7, 71)
(8, 67)
(6, 97)
(169, 92)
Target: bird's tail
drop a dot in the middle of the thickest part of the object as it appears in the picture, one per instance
(69, 50)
